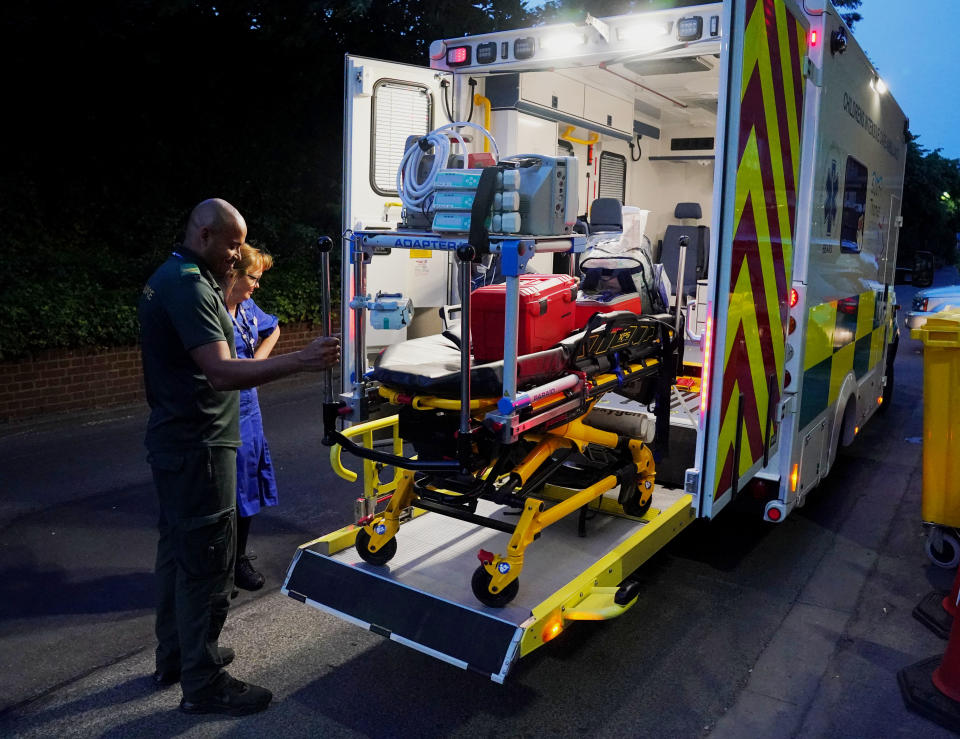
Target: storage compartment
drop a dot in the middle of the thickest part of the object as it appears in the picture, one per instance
(547, 312)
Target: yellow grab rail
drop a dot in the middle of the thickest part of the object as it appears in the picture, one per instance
(594, 137)
(371, 479)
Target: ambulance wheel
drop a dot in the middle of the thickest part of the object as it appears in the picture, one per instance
(481, 588)
(887, 394)
(380, 557)
(945, 552)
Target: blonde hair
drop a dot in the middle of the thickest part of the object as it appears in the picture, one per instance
(251, 260)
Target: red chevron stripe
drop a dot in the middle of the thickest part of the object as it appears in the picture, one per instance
(740, 363)
(745, 245)
(796, 63)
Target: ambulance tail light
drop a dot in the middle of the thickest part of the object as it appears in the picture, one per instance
(707, 362)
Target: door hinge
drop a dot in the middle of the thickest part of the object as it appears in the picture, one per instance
(691, 482)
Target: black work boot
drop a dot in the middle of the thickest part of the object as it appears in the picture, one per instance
(233, 698)
(245, 576)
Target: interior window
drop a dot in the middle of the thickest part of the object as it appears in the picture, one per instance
(400, 109)
(613, 176)
(854, 207)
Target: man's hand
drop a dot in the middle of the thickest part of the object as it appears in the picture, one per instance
(320, 354)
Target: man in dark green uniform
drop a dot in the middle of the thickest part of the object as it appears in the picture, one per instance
(191, 373)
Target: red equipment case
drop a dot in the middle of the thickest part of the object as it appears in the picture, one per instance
(586, 307)
(547, 310)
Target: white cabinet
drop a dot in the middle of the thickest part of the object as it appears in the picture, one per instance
(607, 110)
(554, 91)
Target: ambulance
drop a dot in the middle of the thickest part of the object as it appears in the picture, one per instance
(757, 156)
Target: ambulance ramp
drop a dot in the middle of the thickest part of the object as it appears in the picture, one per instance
(422, 598)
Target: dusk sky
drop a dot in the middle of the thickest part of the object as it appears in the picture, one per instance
(909, 43)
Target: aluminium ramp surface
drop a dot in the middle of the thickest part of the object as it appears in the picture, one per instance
(422, 598)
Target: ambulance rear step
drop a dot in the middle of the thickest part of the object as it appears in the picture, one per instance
(422, 598)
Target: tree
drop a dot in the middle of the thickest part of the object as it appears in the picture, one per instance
(931, 219)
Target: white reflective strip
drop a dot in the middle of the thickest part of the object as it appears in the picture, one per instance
(427, 650)
(338, 614)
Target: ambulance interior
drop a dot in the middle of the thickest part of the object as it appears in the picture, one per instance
(643, 130)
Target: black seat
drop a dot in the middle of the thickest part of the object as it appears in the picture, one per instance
(695, 267)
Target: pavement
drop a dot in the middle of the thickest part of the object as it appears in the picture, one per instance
(743, 629)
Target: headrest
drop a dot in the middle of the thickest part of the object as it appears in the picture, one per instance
(606, 213)
(687, 210)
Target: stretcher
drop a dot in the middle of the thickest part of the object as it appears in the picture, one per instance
(501, 431)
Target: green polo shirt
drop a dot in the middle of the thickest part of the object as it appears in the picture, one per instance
(181, 307)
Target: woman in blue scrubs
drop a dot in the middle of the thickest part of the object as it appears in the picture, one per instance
(255, 334)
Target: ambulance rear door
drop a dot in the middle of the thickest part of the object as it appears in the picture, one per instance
(384, 103)
(759, 128)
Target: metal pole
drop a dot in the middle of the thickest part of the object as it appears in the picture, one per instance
(325, 244)
(359, 316)
(684, 241)
(465, 284)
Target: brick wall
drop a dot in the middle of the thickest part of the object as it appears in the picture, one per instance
(59, 381)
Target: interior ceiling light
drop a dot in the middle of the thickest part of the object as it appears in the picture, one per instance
(562, 40)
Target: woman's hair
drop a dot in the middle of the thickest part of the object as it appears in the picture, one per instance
(251, 260)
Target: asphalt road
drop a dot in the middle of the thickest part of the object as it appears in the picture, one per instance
(743, 629)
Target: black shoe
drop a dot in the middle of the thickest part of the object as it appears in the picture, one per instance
(246, 577)
(235, 698)
(165, 678)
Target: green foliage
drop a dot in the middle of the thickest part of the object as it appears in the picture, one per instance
(931, 218)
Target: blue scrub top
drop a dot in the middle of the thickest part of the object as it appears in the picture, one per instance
(256, 486)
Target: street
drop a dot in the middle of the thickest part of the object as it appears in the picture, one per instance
(743, 628)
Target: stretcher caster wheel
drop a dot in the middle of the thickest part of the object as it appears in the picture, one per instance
(481, 588)
(943, 548)
(379, 557)
(632, 505)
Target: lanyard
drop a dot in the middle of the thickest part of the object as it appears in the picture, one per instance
(243, 329)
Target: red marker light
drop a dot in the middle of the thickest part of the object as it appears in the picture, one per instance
(794, 297)
(458, 55)
(813, 38)
(774, 514)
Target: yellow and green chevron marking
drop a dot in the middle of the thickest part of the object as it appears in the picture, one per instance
(843, 336)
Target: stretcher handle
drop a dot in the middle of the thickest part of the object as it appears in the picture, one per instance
(415, 465)
(324, 245)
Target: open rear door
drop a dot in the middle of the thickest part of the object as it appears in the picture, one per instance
(384, 103)
(761, 116)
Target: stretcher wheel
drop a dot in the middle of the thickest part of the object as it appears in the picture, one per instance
(379, 557)
(481, 588)
(943, 549)
(632, 505)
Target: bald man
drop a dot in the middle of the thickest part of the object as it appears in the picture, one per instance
(191, 373)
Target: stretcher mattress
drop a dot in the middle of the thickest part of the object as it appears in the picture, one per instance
(430, 365)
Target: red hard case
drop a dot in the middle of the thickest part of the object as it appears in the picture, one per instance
(547, 310)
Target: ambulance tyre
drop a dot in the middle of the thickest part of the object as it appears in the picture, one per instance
(481, 588)
(380, 557)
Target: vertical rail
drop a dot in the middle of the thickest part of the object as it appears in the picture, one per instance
(359, 317)
(465, 285)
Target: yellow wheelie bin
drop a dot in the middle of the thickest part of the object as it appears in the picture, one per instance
(940, 504)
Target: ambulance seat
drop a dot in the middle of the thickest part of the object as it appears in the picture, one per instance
(695, 267)
(606, 215)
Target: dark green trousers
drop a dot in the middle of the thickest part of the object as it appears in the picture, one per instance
(195, 561)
